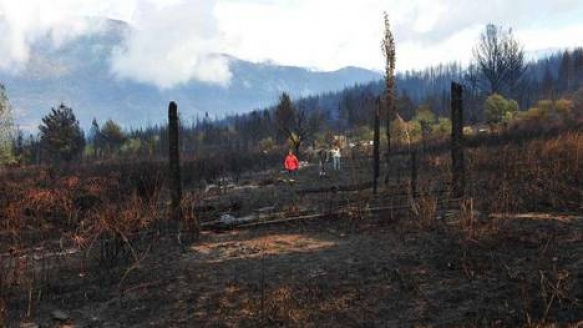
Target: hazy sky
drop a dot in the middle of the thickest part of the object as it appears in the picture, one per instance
(177, 40)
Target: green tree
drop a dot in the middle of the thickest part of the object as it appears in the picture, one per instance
(443, 126)
(565, 76)
(285, 112)
(6, 129)
(499, 110)
(61, 137)
(564, 107)
(296, 124)
(425, 120)
(547, 111)
(401, 130)
(113, 136)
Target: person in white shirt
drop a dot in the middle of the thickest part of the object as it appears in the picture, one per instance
(336, 158)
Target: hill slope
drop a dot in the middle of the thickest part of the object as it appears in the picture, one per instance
(79, 75)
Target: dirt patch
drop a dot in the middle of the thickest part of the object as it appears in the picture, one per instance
(213, 252)
(342, 272)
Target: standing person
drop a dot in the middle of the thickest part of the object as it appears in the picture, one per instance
(291, 163)
(336, 158)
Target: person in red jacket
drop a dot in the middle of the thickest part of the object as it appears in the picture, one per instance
(291, 163)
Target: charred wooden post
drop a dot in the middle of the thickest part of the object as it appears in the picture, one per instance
(376, 143)
(457, 146)
(174, 158)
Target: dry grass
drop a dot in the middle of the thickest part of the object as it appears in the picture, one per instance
(538, 175)
(213, 252)
(480, 263)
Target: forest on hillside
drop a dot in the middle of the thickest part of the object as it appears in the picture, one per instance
(551, 83)
(521, 95)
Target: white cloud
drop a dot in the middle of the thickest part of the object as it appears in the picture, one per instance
(456, 48)
(175, 41)
(172, 44)
(318, 34)
(541, 39)
(329, 34)
(26, 22)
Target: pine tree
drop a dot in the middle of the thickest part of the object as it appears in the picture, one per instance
(113, 136)
(566, 72)
(61, 136)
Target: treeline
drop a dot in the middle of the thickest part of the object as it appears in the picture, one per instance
(559, 75)
(426, 93)
(548, 88)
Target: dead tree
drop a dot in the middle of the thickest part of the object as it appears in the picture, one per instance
(457, 150)
(389, 52)
(174, 158)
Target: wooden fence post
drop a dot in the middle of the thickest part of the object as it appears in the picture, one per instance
(174, 158)
(457, 147)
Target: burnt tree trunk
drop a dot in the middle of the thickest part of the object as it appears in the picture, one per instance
(174, 158)
(457, 147)
(389, 52)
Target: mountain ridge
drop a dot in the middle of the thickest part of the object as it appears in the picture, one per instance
(79, 74)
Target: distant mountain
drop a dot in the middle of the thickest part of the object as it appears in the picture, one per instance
(79, 75)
